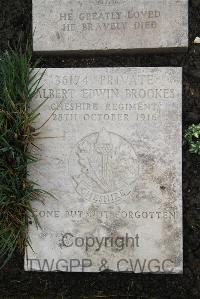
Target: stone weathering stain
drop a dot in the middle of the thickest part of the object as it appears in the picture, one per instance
(113, 161)
(61, 25)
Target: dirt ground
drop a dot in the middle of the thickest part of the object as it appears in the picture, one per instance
(15, 21)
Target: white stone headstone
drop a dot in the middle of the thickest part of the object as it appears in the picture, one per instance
(110, 152)
(109, 25)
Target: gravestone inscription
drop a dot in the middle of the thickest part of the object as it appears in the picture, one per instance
(110, 149)
(60, 25)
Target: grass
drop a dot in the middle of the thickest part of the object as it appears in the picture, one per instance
(18, 86)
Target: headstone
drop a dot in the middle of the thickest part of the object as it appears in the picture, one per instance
(109, 25)
(110, 152)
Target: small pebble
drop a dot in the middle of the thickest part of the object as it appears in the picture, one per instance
(197, 40)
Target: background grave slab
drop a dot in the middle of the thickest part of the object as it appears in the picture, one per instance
(60, 25)
(111, 154)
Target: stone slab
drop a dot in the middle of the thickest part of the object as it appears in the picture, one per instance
(110, 153)
(109, 25)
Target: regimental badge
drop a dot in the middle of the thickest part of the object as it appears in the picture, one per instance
(104, 167)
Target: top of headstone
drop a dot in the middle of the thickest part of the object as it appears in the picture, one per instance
(109, 25)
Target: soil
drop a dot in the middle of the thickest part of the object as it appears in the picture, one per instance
(15, 21)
